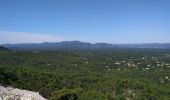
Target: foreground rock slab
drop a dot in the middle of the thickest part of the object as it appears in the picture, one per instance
(9, 93)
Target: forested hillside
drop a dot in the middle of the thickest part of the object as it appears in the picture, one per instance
(3, 49)
(138, 74)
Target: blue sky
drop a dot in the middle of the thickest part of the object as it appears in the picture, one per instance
(111, 21)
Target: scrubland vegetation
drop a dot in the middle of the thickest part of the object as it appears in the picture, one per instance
(138, 74)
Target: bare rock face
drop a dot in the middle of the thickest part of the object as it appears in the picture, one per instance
(9, 93)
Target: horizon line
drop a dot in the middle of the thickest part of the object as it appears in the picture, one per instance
(86, 42)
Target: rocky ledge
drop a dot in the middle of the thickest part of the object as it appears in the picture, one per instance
(9, 93)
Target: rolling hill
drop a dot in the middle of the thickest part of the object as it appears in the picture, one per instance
(3, 48)
(74, 45)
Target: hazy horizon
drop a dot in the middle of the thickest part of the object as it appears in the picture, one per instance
(85, 42)
(94, 21)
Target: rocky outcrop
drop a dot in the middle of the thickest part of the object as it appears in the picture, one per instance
(9, 93)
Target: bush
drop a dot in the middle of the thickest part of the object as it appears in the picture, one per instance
(66, 94)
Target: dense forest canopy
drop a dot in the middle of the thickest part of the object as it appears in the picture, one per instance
(120, 74)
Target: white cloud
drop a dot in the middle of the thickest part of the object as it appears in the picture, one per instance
(23, 37)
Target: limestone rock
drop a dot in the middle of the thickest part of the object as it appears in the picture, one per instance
(9, 93)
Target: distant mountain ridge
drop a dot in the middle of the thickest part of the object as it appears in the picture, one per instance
(3, 48)
(81, 45)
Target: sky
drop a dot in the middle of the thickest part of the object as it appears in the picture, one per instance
(109, 21)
